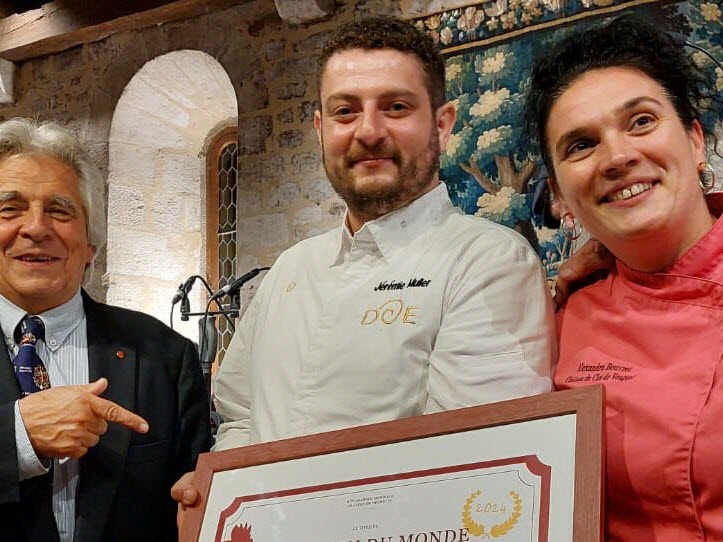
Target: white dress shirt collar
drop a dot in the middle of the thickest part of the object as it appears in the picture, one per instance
(59, 321)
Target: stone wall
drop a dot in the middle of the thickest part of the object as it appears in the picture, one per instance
(156, 172)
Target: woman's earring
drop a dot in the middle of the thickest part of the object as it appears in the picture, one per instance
(706, 177)
(570, 227)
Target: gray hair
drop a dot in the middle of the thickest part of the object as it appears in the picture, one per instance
(24, 136)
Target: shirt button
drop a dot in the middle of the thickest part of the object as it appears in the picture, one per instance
(52, 342)
(404, 223)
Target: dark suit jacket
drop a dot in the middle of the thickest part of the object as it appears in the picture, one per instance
(125, 480)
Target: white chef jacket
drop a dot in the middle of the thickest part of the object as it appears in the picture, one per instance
(423, 310)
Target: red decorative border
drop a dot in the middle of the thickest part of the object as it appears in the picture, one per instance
(532, 462)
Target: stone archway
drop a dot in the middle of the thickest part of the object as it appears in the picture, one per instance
(155, 179)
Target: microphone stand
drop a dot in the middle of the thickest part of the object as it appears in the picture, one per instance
(208, 339)
(208, 333)
(232, 289)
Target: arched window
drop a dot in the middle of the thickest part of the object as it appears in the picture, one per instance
(221, 197)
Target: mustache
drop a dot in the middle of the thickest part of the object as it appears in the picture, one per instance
(380, 151)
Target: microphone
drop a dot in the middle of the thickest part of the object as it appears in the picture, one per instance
(183, 289)
(682, 41)
(236, 284)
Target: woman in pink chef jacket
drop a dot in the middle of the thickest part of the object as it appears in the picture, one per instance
(616, 110)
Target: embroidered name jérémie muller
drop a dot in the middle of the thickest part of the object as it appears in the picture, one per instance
(400, 285)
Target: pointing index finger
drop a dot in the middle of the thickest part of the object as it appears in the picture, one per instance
(112, 412)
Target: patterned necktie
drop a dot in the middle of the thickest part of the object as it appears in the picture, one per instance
(29, 369)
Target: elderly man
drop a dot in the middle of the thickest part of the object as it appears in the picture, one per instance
(77, 464)
(410, 306)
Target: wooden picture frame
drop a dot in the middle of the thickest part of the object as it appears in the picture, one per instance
(564, 428)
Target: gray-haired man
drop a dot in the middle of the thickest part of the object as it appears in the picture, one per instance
(101, 408)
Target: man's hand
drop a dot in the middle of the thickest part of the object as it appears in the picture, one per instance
(583, 267)
(67, 420)
(185, 494)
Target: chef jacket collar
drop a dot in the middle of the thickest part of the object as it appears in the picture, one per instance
(394, 231)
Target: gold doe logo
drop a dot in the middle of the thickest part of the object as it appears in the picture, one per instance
(390, 312)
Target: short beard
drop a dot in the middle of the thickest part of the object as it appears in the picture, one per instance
(414, 179)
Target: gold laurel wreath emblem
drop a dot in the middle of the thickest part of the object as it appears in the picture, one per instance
(473, 528)
(498, 529)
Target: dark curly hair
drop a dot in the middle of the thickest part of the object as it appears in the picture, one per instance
(625, 41)
(390, 33)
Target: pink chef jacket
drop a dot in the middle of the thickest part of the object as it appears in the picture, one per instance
(655, 342)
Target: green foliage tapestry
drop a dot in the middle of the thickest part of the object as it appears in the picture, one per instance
(489, 167)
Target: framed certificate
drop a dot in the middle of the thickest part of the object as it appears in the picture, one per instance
(529, 469)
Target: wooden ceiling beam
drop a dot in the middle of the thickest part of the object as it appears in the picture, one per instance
(62, 24)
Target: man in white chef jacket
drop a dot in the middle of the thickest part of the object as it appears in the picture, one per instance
(409, 306)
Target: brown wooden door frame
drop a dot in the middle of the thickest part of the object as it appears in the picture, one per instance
(225, 137)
